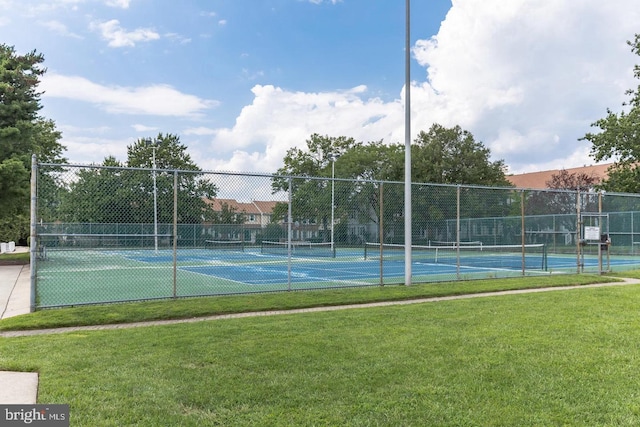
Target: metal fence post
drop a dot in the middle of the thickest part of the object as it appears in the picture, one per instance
(523, 239)
(600, 223)
(289, 221)
(381, 233)
(175, 233)
(33, 241)
(458, 231)
(578, 232)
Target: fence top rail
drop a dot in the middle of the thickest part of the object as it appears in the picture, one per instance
(102, 235)
(373, 181)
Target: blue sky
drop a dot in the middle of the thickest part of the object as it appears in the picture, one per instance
(242, 81)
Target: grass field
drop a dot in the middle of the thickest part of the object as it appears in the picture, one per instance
(207, 306)
(559, 358)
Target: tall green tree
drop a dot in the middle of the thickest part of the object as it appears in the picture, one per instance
(443, 156)
(22, 133)
(112, 193)
(453, 156)
(311, 194)
(99, 195)
(193, 187)
(618, 138)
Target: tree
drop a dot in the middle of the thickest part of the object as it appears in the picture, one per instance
(440, 156)
(99, 195)
(228, 215)
(311, 196)
(22, 133)
(563, 180)
(619, 139)
(193, 188)
(453, 156)
(111, 193)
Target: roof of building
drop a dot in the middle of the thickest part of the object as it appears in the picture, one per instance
(538, 180)
(255, 207)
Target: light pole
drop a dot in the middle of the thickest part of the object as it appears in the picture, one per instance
(155, 195)
(407, 153)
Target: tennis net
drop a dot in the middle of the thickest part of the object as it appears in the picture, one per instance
(228, 245)
(511, 257)
(84, 241)
(453, 244)
(299, 249)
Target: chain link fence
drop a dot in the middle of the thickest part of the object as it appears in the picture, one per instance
(108, 234)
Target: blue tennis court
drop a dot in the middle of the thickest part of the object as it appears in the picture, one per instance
(69, 277)
(352, 267)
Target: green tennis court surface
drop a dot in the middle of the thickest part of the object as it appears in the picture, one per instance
(73, 277)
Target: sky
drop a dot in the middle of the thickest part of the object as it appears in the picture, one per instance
(242, 81)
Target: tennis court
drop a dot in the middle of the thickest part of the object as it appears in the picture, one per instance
(73, 277)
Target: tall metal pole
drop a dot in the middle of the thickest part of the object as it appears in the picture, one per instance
(407, 151)
(155, 202)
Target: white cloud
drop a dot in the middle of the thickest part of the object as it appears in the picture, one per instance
(222, 22)
(159, 100)
(325, 1)
(93, 150)
(278, 120)
(123, 4)
(177, 38)
(200, 131)
(143, 128)
(42, 8)
(525, 77)
(60, 28)
(119, 37)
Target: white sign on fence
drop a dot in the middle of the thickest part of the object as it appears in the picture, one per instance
(592, 233)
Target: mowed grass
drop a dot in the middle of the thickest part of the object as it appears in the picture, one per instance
(18, 257)
(197, 307)
(568, 357)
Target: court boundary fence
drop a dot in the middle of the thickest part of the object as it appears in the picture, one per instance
(572, 223)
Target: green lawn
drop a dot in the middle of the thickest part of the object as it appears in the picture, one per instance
(15, 258)
(558, 358)
(193, 307)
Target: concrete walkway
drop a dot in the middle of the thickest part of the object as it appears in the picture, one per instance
(15, 299)
(18, 388)
(15, 290)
